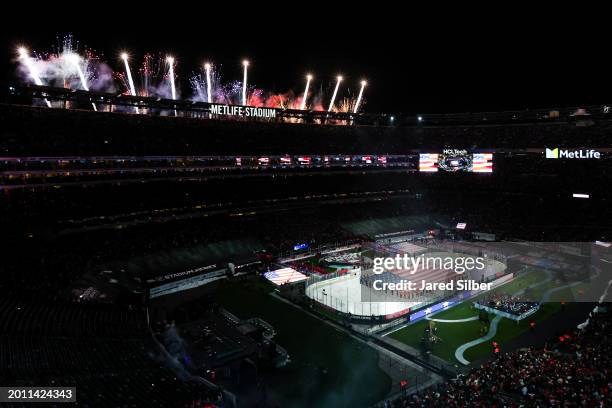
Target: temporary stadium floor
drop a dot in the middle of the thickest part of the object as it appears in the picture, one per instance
(453, 335)
(328, 368)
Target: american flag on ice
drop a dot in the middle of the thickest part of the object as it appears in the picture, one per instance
(284, 275)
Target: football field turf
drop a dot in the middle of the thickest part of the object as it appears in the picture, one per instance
(328, 368)
(454, 334)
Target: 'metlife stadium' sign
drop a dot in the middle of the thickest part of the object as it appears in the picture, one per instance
(242, 111)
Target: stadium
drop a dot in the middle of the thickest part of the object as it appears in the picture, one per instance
(177, 238)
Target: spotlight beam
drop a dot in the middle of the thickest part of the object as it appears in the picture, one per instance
(245, 64)
(363, 84)
(331, 103)
(208, 84)
(75, 60)
(170, 61)
(308, 78)
(23, 55)
(128, 72)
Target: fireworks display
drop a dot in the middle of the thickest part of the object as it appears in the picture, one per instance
(24, 58)
(331, 103)
(245, 63)
(170, 61)
(76, 61)
(208, 84)
(305, 97)
(70, 66)
(128, 72)
(363, 84)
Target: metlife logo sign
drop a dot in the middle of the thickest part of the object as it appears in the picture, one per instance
(558, 153)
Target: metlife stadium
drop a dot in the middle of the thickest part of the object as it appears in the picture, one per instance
(197, 228)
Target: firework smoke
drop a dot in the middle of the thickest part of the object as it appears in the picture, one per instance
(74, 67)
(59, 69)
(25, 59)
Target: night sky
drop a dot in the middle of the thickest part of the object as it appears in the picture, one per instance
(415, 61)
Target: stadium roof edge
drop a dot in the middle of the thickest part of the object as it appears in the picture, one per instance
(189, 108)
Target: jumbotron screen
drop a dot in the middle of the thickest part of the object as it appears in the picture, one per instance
(456, 160)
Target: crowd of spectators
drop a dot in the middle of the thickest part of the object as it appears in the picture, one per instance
(507, 303)
(573, 370)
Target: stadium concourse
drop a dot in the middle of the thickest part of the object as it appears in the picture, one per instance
(147, 255)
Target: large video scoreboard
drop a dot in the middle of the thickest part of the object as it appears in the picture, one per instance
(454, 160)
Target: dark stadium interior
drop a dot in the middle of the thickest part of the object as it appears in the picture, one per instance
(68, 219)
(157, 254)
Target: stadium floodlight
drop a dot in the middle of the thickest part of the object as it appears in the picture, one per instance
(25, 58)
(128, 72)
(331, 103)
(207, 67)
(363, 84)
(245, 64)
(75, 59)
(308, 79)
